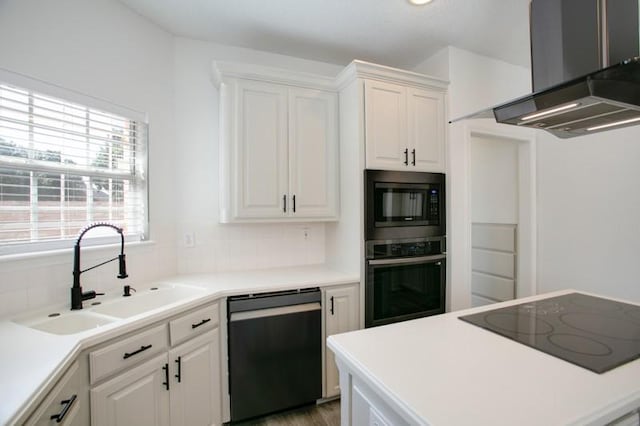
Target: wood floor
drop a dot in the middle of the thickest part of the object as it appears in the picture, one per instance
(327, 414)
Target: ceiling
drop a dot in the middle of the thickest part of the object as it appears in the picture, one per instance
(389, 32)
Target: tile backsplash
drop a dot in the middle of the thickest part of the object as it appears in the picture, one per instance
(232, 247)
(34, 282)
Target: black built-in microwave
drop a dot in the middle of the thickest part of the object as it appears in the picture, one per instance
(404, 204)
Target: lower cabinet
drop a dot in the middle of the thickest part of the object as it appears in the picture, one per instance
(179, 386)
(137, 397)
(195, 392)
(341, 315)
(67, 404)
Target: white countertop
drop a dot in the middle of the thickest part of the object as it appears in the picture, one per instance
(31, 360)
(443, 371)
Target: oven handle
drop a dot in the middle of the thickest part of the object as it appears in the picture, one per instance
(405, 260)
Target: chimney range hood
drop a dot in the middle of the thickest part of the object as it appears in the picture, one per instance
(576, 90)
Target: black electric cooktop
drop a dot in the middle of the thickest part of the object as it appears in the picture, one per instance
(594, 333)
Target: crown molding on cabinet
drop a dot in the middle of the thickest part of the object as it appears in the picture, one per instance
(222, 70)
(367, 70)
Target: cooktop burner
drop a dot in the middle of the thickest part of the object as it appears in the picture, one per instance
(594, 333)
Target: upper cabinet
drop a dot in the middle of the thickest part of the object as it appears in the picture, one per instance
(278, 145)
(404, 116)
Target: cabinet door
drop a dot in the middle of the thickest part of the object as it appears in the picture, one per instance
(426, 130)
(136, 397)
(341, 315)
(385, 125)
(261, 170)
(196, 395)
(67, 403)
(313, 152)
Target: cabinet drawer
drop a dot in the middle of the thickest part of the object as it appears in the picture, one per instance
(128, 352)
(63, 402)
(193, 324)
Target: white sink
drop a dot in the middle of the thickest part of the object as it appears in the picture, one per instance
(69, 322)
(147, 300)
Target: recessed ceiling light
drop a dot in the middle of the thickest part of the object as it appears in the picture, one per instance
(420, 2)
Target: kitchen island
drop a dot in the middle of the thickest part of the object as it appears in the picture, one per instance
(441, 370)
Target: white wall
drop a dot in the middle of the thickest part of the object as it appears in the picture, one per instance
(102, 49)
(227, 246)
(589, 213)
(476, 82)
(494, 180)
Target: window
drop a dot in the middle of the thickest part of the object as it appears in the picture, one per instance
(64, 165)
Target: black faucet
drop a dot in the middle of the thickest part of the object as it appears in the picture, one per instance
(77, 295)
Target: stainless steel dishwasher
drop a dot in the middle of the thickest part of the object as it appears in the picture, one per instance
(275, 351)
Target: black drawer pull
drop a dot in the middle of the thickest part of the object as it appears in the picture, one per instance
(179, 375)
(166, 376)
(203, 322)
(130, 354)
(67, 405)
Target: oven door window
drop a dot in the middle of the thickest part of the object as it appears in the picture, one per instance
(406, 204)
(405, 291)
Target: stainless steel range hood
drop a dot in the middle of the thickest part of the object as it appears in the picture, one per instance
(577, 92)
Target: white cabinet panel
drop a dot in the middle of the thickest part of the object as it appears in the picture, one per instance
(313, 152)
(494, 236)
(138, 397)
(426, 123)
(404, 127)
(385, 125)
(493, 287)
(278, 151)
(67, 403)
(493, 262)
(196, 395)
(261, 173)
(341, 315)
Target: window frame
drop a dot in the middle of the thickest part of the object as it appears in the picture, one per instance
(142, 158)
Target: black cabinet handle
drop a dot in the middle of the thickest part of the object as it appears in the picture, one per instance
(284, 203)
(179, 375)
(203, 322)
(166, 376)
(406, 157)
(67, 405)
(413, 152)
(130, 354)
(332, 311)
(294, 203)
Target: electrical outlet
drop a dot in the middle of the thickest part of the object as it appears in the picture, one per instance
(189, 239)
(305, 233)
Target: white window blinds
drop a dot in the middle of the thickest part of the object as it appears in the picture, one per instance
(64, 165)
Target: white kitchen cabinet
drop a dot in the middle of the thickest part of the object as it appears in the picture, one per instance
(404, 127)
(385, 125)
(341, 315)
(313, 153)
(195, 389)
(180, 386)
(67, 403)
(426, 130)
(278, 146)
(396, 117)
(139, 397)
(261, 167)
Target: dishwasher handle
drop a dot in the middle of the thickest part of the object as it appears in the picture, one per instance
(272, 312)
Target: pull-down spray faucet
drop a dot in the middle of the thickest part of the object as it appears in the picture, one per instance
(77, 295)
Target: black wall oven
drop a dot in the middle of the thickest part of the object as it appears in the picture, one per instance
(404, 204)
(405, 279)
(405, 235)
